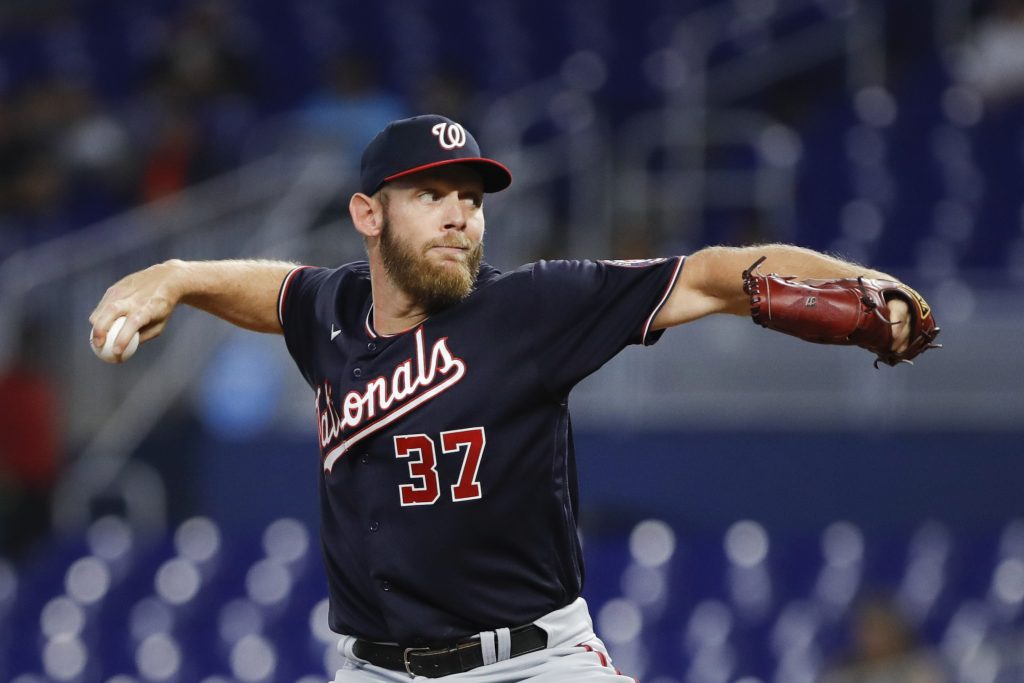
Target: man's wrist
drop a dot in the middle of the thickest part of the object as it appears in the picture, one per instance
(178, 279)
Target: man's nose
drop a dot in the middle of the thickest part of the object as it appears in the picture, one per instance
(454, 212)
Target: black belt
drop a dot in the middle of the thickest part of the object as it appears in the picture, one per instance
(444, 661)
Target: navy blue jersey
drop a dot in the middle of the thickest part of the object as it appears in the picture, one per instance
(448, 488)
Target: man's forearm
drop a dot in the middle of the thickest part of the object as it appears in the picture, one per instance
(721, 269)
(801, 263)
(242, 292)
(782, 259)
(712, 279)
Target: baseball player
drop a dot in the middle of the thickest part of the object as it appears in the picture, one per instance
(448, 480)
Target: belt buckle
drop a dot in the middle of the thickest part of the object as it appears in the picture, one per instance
(405, 657)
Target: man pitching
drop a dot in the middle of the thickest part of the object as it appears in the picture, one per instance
(448, 481)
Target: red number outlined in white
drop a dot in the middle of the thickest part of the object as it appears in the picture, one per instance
(424, 469)
(475, 440)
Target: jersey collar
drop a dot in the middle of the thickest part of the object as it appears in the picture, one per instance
(374, 334)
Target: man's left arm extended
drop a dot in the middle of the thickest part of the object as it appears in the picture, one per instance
(712, 281)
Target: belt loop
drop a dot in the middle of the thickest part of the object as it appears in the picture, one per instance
(504, 637)
(487, 647)
(346, 644)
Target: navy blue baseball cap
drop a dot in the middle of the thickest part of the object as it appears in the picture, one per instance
(422, 142)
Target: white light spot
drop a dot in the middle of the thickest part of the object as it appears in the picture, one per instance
(148, 617)
(966, 630)
(712, 664)
(797, 666)
(238, 619)
(158, 657)
(931, 540)
(318, 625)
(842, 544)
(746, 543)
(751, 590)
(875, 106)
(620, 621)
(177, 581)
(981, 665)
(795, 628)
(709, 625)
(87, 580)
(1008, 581)
(643, 585)
(61, 617)
(110, 538)
(837, 584)
(64, 658)
(267, 583)
(286, 540)
(197, 539)
(921, 585)
(652, 543)
(779, 146)
(253, 659)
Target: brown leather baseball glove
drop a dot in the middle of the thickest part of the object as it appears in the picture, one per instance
(852, 311)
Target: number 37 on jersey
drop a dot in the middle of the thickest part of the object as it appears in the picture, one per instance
(421, 452)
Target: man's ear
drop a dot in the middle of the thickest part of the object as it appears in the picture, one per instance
(366, 214)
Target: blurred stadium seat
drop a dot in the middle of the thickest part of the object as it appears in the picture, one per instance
(260, 614)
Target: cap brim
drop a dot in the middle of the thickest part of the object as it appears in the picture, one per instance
(494, 175)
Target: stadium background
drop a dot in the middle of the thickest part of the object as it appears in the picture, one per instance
(741, 492)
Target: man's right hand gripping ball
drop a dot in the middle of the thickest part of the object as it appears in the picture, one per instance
(851, 311)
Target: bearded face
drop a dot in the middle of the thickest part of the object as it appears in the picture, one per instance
(433, 283)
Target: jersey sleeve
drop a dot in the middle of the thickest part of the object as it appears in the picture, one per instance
(299, 301)
(591, 310)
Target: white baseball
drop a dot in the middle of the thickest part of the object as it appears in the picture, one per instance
(107, 352)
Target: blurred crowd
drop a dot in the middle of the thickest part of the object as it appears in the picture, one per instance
(70, 157)
(72, 153)
(87, 131)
